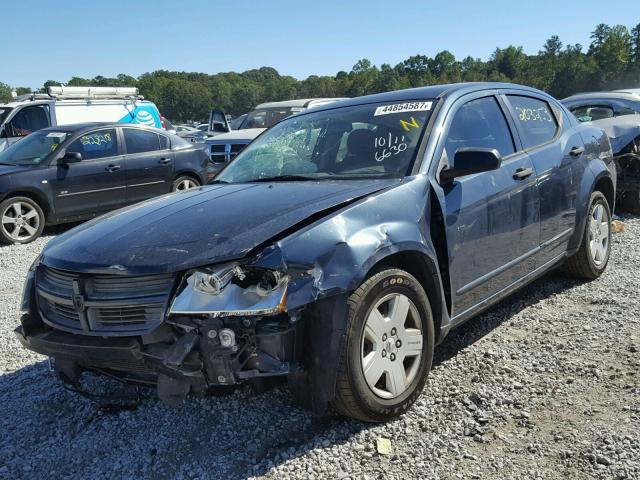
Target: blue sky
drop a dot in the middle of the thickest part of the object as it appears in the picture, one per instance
(58, 39)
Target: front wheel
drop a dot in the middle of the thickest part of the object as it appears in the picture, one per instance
(591, 259)
(184, 182)
(388, 348)
(22, 220)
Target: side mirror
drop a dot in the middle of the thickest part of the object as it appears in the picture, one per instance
(468, 161)
(70, 157)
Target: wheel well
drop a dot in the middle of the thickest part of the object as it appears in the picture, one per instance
(36, 197)
(605, 185)
(421, 267)
(187, 174)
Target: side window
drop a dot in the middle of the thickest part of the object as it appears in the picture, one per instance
(140, 141)
(164, 142)
(537, 123)
(30, 119)
(96, 144)
(481, 124)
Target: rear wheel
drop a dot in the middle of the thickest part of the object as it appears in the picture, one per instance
(388, 348)
(591, 259)
(22, 220)
(184, 182)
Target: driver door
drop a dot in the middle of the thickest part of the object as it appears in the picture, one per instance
(492, 218)
(95, 184)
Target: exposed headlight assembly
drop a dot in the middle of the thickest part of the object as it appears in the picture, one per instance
(232, 289)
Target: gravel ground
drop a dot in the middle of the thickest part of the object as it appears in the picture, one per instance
(544, 385)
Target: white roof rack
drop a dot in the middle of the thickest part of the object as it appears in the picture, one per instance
(62, 92)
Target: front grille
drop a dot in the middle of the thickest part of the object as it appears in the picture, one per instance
(225, 152)
(102, 304)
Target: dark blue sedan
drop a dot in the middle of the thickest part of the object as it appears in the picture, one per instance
(74, 172)
(336, 250)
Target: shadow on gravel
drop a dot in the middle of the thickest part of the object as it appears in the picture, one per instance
(49, 432)
(467, 334)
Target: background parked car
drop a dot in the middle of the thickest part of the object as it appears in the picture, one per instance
(69, 173)
(238, 121)
(226, 146)
(186, 130)
(68, 105)
(598, 105)
(624, 135)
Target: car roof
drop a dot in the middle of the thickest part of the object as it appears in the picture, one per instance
(300, 102)
(78, 127)
(424, 93)
(630, 94)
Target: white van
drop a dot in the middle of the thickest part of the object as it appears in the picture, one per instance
(66, 105)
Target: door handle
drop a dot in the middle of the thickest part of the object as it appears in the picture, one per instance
(112, 168)
(523, 173)
(165, 161)
(576, 151)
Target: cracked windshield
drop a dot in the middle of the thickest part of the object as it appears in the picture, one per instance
(374, 141)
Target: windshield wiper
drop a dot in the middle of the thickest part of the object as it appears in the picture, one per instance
(217, 181)
(283, 178)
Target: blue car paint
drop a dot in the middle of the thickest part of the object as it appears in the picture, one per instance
(490, 233)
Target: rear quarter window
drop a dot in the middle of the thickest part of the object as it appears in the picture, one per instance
(537, 123)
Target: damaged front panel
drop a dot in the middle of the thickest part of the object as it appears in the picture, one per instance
(624, 135)
(255, 316)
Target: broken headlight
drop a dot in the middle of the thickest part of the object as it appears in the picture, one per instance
(232, 290)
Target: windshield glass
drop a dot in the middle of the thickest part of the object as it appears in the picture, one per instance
(363, 141)
(268, 117)
(32, 150)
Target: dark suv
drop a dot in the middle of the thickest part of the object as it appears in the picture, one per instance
(337, 249)
(74, 172)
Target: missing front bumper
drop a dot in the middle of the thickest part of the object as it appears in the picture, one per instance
(189, 354)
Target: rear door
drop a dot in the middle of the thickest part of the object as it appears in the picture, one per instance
(149, 163)
(491, 218)
(95, 184)
(555, 148)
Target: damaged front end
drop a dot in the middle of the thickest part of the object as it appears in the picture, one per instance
(215, 326)
(624, 135)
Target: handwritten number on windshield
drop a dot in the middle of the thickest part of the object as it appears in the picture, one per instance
(387, 146)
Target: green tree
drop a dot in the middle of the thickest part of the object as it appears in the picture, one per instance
(611, 48)
(5, 93)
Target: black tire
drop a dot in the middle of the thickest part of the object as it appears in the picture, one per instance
(182, 180)
(582, 264)
(30, 217)
(354, 397)
(630, 202)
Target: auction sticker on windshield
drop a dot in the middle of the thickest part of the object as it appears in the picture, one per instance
(403, 107)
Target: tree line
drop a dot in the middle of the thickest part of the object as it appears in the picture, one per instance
(611, 61)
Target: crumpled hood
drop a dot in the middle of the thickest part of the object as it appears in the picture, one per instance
(194, 228)
(620, 130)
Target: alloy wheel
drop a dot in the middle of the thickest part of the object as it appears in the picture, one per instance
(186, 184)
(599, 235)
(392, 346)
(20, 221)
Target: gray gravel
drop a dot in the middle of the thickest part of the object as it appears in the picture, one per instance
(544, 385)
